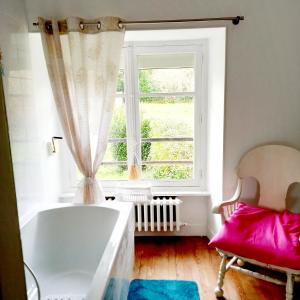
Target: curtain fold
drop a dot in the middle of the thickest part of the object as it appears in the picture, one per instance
(83, 64)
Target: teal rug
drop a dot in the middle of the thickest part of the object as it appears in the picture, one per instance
(141, 289)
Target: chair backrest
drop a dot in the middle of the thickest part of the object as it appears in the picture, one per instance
(275, 167)
(293, 198)
(250, 191)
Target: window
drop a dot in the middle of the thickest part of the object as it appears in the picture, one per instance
(159, 114)
(114, 166)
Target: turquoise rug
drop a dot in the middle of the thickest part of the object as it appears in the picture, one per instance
(141, 289)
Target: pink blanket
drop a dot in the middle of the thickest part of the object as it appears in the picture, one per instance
(262, 234)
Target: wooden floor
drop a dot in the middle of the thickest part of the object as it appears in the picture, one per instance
(189, 258)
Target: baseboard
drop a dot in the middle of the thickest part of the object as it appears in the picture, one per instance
(186, 230)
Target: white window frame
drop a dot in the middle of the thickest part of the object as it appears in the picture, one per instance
(132, 95)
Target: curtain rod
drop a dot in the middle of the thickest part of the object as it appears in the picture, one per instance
(235, 21)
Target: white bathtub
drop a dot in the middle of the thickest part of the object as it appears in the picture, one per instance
(80, 252)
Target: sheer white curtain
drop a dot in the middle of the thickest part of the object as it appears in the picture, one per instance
(83, 63)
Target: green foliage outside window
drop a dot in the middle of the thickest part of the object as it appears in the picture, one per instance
(171, 172)
(118, 130)
(120, 81)
(145, 82)
(150, 127)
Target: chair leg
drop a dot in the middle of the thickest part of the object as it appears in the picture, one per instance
(218, 290)
(289, 287)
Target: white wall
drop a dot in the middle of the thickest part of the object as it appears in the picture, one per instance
(23, 110)
(48, 122)
(262, 93)
(215, 124)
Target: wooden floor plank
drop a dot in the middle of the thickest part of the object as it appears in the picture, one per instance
(189, 258)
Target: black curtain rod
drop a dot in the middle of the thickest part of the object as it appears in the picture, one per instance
(235, 21)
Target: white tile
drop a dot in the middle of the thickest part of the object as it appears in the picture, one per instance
(22, 111)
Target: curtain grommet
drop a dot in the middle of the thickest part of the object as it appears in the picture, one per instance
(81, 25)
(99, 25)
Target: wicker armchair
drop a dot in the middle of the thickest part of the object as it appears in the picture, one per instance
(268, 176)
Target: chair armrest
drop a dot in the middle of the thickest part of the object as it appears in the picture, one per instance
(218, 209)
(226, 208)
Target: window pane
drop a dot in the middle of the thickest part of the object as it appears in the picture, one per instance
(118, 122)
(167, 171)
(117, 147)
(167, 117)
(167, 150)
(166, 73)
(120, 82)
(166, 80)
(112, 172)
(170, 122)
(117, 150)
(166, 61)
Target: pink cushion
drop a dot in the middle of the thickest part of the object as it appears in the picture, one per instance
(262, 234)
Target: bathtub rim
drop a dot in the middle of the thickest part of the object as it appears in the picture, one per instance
(98, 286)
(101, 276)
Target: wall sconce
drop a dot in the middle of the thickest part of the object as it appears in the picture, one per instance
(53, 146)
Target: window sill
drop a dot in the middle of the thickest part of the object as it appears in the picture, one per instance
(181, 193)
(169, 191)
(156, 191)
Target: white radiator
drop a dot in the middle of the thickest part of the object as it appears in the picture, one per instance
(158, 214)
